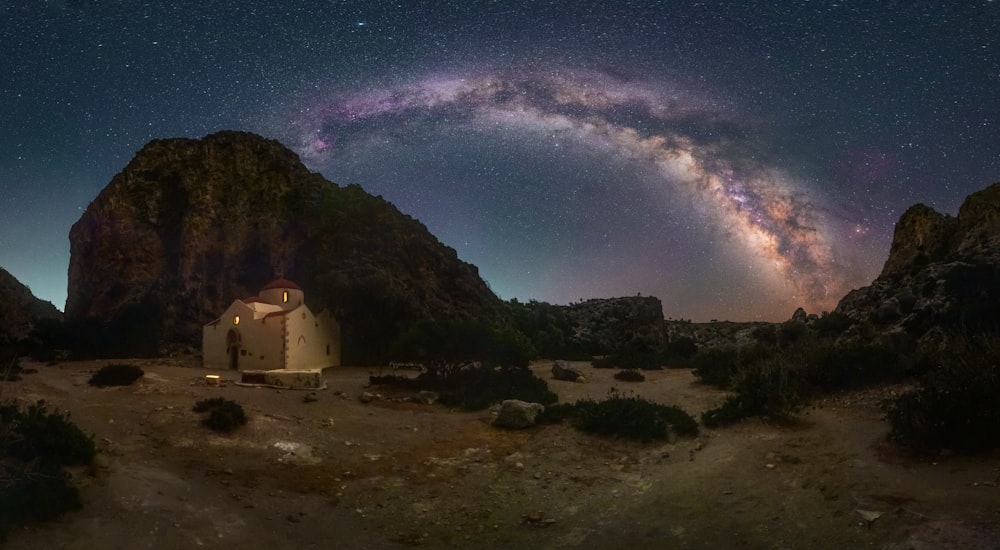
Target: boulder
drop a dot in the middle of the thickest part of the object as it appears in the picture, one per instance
(562, 371)
(515, 414)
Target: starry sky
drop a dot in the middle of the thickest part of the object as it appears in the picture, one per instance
(735, 159)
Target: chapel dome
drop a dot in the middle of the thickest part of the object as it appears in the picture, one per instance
(281, 283)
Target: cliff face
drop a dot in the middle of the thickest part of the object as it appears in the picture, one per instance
(190, 225)
(942, 274)
(20, 309)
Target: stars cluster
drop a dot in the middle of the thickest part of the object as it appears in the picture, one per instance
(735, 159)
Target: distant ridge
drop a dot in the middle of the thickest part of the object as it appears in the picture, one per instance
(20, 309)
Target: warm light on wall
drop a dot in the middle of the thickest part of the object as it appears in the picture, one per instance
(284, 297)
(236, 320)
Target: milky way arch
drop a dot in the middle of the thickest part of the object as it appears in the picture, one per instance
(764, 213)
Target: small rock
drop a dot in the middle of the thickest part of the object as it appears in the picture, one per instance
(869, 516)
(516, 414)
(366, 397)
(427, 397)
(770, 466)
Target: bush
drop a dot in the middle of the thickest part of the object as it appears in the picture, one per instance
(632, 417)
(116, 375)
(476, 388)
(206, 405)
(771, 387)
(718, 365)
(35, 445)
(630, 376)
(223, 415)
(852, 366)
(38, 433)
(954, 406)
(831, 325)
(555, 413)
(473, 386)
(462, 342)
(678, 352)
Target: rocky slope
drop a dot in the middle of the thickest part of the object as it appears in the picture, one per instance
(594, 327)
(20, 309)
(942, 274)
(611, 324)
(190, 225)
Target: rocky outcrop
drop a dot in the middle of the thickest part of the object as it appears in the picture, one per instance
(922, 235)
(942, 274)
(20, 309)
(190, 225)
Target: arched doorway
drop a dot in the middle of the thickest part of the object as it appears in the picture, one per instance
(233, 348)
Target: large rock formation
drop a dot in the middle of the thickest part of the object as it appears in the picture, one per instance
(190, 225)
(942, 274)
(20, 309)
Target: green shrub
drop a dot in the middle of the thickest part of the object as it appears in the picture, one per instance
(556, 412)
(223, 415)
(954, 406)
(831, 325)
(35, 445)
(208, 404)
(678, 352)
(462, 342)
(770, 387)
(717, 365)
(629, 375)
(116, 375)
(632, 417)
(38, 433)
(852, 366)
(474, 386)
(478, 387)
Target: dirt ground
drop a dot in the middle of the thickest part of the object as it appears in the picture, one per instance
(339, 473)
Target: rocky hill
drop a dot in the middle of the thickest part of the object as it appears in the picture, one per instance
(942, 274)
(598, 326)
(610, 324)
(20, 309)
(190, 225)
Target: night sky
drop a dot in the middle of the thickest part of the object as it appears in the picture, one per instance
(735, 159)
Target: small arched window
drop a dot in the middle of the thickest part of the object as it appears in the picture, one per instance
(236, 320)
(284, 297)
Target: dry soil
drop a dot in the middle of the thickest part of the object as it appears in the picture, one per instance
(334, 472)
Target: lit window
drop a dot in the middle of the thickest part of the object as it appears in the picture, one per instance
(284, 297)
(236, 320)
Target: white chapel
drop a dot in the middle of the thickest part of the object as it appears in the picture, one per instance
(273, 330)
